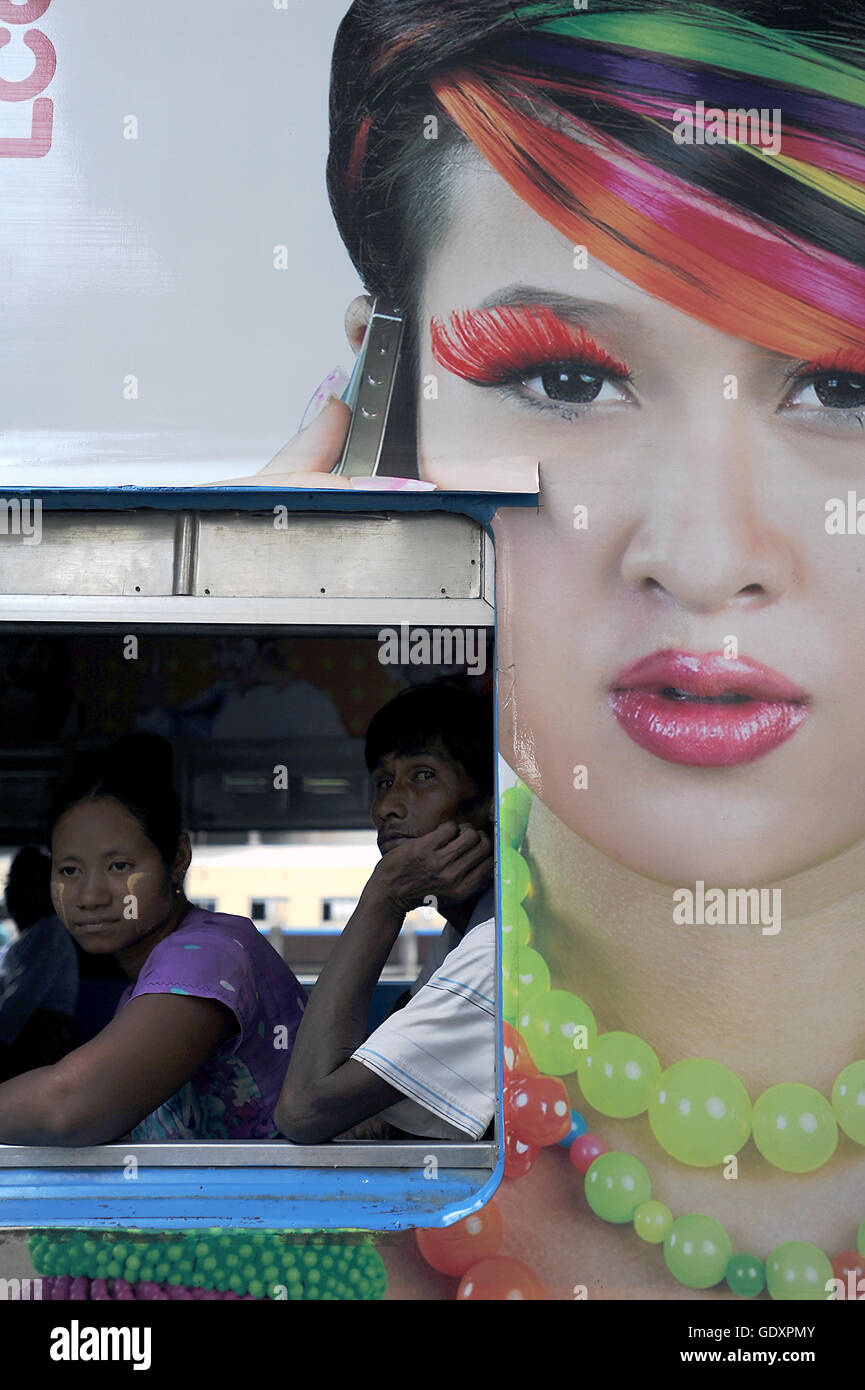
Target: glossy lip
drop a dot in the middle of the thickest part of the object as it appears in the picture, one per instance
(697, 732)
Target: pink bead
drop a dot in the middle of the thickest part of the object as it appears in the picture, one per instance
(585, 1150)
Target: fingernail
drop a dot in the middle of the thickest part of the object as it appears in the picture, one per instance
(383, 484)
(333, 385)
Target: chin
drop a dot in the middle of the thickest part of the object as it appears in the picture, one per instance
(742, 845)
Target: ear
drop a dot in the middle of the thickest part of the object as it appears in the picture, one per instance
(181, 860)
(356, 319)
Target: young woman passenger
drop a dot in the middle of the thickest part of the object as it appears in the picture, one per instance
(199, 1042)
(694, 380)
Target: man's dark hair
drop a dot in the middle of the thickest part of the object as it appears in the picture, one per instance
(444, 709)
(28, 887)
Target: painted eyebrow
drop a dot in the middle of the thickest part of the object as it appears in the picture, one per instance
(571, 309)
(565, 306)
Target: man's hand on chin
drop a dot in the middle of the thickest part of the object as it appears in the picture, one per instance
(452, 862)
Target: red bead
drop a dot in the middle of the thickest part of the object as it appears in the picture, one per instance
(519, 1157)
(585, 1150)
(498, 1279)
(537, 1110)
(849, 1267)
(516, 1054)
(454, 1249)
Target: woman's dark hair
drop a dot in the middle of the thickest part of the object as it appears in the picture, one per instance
(445, 710)
(389, 196)
(28, 887)
(395, 149)
(136, 771)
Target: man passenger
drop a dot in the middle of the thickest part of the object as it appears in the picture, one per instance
(430, 1068)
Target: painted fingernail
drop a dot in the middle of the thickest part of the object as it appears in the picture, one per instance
(333, 385)
(382, 484)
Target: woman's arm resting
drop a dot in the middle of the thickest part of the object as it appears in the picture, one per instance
(103, 1089)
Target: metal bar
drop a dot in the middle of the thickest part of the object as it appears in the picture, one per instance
(185, 545)
(254, 1154)
(247, 611)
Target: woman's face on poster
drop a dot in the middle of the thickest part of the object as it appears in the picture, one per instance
(683, 511)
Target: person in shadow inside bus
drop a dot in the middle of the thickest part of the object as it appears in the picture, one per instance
(429, 1069)
(196, 1048)
(38, 973)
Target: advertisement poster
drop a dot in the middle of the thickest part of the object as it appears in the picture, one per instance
(430, 456)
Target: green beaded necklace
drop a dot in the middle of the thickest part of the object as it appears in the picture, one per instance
(698, 1110)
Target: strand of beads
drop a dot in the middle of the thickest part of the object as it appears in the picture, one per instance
(698, 1109)
(697, 1250)
(215, 1264)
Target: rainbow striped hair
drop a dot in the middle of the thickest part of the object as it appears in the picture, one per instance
(578, 111)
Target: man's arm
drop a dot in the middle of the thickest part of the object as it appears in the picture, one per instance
(325, 1092)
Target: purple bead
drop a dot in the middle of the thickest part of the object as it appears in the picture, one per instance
(99, 1291)
(60, 1292)
(80, 1290)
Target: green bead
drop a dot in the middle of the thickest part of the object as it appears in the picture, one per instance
(616, 1184)
(794, 1127)
(515, 876)
(700, 1112)
(514, 807)
(798, 1270)
(848, 1101)
(652, 1221)
(617, 1074)
(697, 1251)
(549, 1027)
(516, 928)
(522, 979)
(745, 1275)
(518, 799)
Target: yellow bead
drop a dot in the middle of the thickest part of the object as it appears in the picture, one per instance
(700, 1112)
(848, 1101)
(794, 1127)
(554, 1025)
(617, 1074)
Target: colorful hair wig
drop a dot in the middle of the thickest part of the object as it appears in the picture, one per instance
(578, 112)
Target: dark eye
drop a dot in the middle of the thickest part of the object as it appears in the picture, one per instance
(574, 383)
(840, 392)
(567, 382)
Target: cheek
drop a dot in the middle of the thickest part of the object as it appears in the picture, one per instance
(145, 887)
(57, 891)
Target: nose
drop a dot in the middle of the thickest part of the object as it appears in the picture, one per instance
(390, 805)
(94, 890)
(706, 539)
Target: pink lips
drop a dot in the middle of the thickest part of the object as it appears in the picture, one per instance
(706, 711)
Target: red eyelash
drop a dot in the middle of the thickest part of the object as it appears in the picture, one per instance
(491, 346)
(847, 362)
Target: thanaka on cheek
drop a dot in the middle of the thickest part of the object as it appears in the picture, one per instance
(57, 898)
